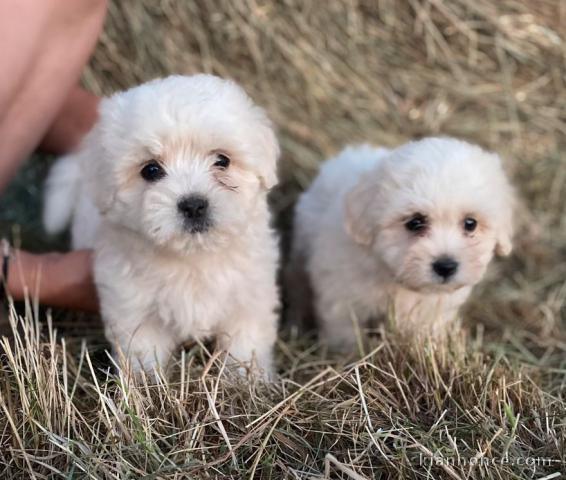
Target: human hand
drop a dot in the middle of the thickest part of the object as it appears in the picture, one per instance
(56, 279)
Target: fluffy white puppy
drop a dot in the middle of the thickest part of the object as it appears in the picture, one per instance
(405, 233)
(170, 188)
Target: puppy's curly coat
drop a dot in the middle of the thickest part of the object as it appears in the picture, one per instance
(406, 232)
(170, 188)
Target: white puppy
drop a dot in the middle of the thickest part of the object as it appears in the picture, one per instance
(405, 233)
(170, 187)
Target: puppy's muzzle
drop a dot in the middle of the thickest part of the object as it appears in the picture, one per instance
(196, 213)
(445, 268)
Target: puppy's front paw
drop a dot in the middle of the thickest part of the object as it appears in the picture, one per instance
(146, 349)
(250, 370)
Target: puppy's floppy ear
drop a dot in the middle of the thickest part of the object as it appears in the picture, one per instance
(357, 211)
(269, 148)
(503, 246)
(504, 232)
(507, 207)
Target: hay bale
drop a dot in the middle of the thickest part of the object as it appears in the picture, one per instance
(344, 71)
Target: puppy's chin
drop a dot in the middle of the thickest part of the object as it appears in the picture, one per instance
(431, 286)
(200, 228)
(189, 240)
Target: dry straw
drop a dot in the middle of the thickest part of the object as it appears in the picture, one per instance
(333, 72)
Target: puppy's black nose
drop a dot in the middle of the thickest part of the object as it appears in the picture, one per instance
(445, 267)
(193, 207)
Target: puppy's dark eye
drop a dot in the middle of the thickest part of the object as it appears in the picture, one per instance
(470, 224)
(417, 223)
(222, 161)
(152, 172)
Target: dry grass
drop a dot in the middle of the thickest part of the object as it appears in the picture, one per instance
(330, 73)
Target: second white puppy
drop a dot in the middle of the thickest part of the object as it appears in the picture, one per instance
(405, 233)
(170, 187)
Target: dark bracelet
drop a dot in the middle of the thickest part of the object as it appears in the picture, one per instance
(4, 276)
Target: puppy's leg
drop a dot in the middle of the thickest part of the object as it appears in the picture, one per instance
(249, 338)
(146, 347)
(340, 325)
(128, 306)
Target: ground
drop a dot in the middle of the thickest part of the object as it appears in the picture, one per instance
(491, 404)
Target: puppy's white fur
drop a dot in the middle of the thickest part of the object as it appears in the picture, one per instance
(158, 283)
(362, 261)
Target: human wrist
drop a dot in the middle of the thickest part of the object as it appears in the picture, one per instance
(19, 273)
(55, 279)
(27, 272)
